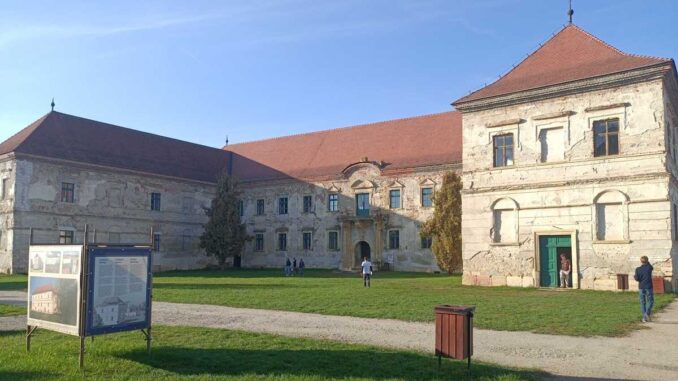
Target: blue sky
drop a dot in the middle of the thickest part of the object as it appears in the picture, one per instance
(202, 70)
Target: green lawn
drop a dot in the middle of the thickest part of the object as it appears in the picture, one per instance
(404, 296)
(408, 296)
(11, 310)
(210, 354)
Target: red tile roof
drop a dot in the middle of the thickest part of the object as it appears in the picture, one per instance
(572, 54)
(402, 144)
(68, 137)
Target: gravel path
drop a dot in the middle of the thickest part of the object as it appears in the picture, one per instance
(647, 354)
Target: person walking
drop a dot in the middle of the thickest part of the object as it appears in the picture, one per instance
(367, 271)
(288, 267)
(643, 276)
(302, 266)
(294, 266)
(565, 268)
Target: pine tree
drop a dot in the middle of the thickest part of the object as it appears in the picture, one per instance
(224, 236)
(445, 225)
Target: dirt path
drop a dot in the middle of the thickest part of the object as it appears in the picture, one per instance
(648, 354)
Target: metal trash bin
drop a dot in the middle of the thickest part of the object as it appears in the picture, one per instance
(454, 332)
(622, 281)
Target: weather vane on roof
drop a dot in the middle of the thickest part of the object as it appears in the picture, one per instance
(53, 104)
(227, 140)
(570, 12)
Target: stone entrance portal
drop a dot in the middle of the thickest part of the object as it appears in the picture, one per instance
(362, 250)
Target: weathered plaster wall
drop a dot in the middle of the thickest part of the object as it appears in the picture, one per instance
(7, 173)
(109, 201)
(360, 179)
(558, 197)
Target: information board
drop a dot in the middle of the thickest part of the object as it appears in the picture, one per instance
(118, 289)
(54, 288)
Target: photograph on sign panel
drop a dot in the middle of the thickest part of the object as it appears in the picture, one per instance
(120, 294)
(54, 300)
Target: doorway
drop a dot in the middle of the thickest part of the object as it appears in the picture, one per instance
(362, 250)
(237, 261)
(550, 249)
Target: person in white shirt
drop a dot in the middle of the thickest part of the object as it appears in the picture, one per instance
(367, 271)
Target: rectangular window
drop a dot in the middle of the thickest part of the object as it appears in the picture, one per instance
(260, 207)
(426, 242)
(282, 205)
(308, 204)
(241, 208)
(114, 237)
(308, 240)
(427, 197)
(362, 204)
(333, 240)
(66, 237)
(503, 150)
(259, 242)
(67, 192)
(394, 198)
(5, 189)
(552, 145)
(333, 202)
(394, 239)
(155, 201)
(282, 241)
(606, 137)
(156, 241)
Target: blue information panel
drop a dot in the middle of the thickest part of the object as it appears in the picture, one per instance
(118, 289)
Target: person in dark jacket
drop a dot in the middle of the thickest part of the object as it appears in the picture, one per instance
(644, 278)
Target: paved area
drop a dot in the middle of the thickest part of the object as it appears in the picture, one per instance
(648, 354)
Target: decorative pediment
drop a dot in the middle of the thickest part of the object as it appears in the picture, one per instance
(428, 182)
(396, 184)
(363, 184)
(372, 167)
(334, 188)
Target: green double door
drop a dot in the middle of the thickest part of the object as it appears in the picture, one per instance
(550, 248)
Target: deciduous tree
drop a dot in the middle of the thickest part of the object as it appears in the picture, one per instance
(224, 236)
(445, 225)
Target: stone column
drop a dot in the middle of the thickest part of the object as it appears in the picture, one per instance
(378, 245)
(347, 231)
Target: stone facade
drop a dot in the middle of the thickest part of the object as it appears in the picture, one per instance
(115, 204)
(614, 208)
(351, 227)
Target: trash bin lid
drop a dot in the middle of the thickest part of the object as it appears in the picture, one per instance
(454, 309)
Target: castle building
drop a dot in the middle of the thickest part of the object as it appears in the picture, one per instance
(570, 153)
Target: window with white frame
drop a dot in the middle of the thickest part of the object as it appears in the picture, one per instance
(503, 150)
(606, 137)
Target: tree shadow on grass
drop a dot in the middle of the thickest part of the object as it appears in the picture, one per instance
(338, 364)
(219, 286)
(275, 273)
(19, 376)
(14, 286)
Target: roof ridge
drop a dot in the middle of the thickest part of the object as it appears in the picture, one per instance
(588, 34)
(136, 131)
(32, 127)
(340, 128)
(515, 66)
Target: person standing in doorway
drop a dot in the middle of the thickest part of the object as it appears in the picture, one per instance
(565, 268)
(643, 276)
(302, 266)
(367, 271)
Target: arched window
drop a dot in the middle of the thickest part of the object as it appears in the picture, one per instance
(504, 221)
(610, 211)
